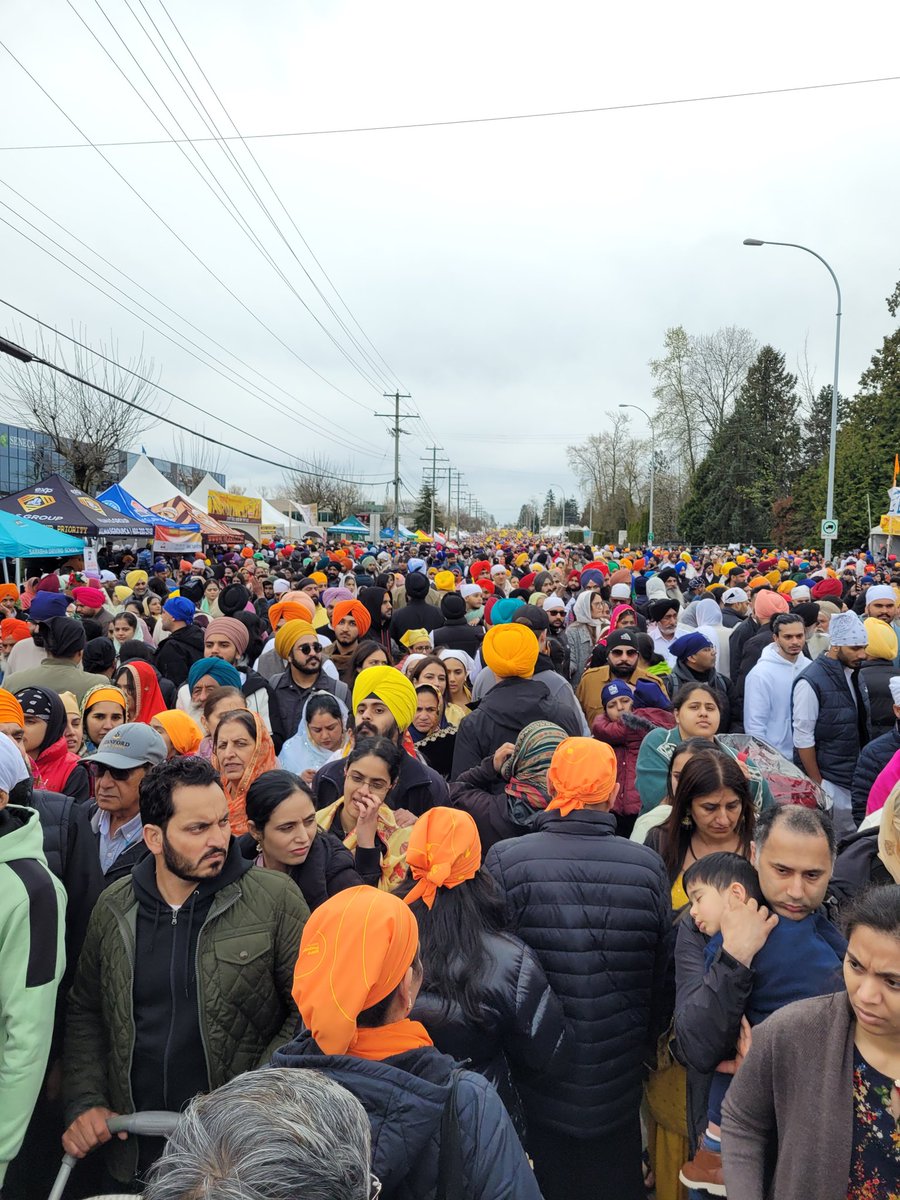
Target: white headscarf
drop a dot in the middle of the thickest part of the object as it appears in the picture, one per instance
(300, 753)
(460, 655)
(12, 765)
(581, 611)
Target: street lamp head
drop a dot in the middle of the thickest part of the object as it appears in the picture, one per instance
(753, 242)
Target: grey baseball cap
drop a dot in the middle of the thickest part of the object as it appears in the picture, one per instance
(130, 746)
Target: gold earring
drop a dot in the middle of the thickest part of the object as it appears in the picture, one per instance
(687, 821)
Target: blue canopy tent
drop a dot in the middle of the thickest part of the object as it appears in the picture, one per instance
(351, 527)
(116, 497)
(23, 538)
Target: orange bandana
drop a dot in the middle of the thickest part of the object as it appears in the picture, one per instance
(582, 771)
(355, 949)
(444, 850)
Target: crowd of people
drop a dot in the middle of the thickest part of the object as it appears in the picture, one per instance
(514, 869)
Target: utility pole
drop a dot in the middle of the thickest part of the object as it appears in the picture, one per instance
(434, 462)
(395, 431)
(459, 476)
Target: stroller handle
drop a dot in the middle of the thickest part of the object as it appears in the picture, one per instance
(150, 1124)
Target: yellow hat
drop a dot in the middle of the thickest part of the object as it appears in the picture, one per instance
(782, 564)
(510, 650)
(774, 577)
(413, 637)
(290, 633)
(134, 577)
(121, 593)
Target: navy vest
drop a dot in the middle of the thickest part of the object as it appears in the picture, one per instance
(837, 727)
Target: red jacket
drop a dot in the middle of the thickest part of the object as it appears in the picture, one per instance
(625, 737)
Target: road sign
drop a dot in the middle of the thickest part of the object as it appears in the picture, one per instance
(829, 529)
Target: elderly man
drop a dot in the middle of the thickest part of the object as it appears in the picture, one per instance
(384, 704)
(278, 1134)
(829, 718)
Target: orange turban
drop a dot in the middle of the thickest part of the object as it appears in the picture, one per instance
(444, 850)
(291, 610)
(354, 609)
(319, 577)
(11, 627)
(510, 650)
(184, 732)
(355, 949)
(10, 710)
(8, 591)
(582, 771)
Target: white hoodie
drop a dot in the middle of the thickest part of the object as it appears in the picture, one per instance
(767, 699)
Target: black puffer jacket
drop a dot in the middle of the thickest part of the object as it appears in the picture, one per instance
(871, 762)
(596, 910)
(523, 1026)
(874, 685)
(177, 653)
(328, 868)
(458, 634)
(501, 716)
(856, 868)
(405, 1097)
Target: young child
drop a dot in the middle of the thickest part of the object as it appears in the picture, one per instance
(799, 959)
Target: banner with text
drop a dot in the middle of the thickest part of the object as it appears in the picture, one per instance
(225, 506)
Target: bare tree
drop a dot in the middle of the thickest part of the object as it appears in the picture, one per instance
(85, 427)
(613, 468)
(193, 458)
(323, 483)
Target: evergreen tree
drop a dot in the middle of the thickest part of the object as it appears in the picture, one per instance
(752, 462)
(422, 512)
(549, 514)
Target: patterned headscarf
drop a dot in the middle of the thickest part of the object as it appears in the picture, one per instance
(526, 768)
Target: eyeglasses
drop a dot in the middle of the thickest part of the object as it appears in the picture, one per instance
(120, 774)
(374, 1187)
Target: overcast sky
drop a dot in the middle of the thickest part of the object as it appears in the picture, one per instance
(516, 276)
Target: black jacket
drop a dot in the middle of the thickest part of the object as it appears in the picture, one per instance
(596, 909)
(254, 682)
(522, 1029)
(736, 643)
(405, 1097)
(481, 792)
(177, 653)
(416, 614)
(501, 716)
(856, 868)
(874, 685)
(457, 634)
(329, 867)
(840, 725)
(871, 762)
(730, 619)
(417, 789)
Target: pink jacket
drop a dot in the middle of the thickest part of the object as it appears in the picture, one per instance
(884, 784)
(625, 737)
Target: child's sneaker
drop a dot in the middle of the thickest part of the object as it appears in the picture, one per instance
(704, 1172)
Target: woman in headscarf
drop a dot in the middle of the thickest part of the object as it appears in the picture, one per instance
(362, 817)
(242, 751)
(205, 675)
(508, 789)
(180, 732)
(320, 738)
(102, 709)
(486, 1000)
(284, 836)
(138, 681)
(210, 602)
(74, 725)
(57, 769)
(588, 624)
(459, 667)
(357, 977)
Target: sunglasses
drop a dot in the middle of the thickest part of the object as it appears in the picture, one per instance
(120, 774)
(307, 649)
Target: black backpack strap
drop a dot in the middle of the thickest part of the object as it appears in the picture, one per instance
(450, 1172)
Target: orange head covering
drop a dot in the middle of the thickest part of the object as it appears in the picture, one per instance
(8, 591)
(261, 760)
(510, 650)
(355, 949)
(10, 710)
(582, 771)
(184, 732)
(292, 610)
(12, 627)
(319, 577)
(444, 850)
(104, 694)
(354, 609)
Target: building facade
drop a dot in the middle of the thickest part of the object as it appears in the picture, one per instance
(27, 456)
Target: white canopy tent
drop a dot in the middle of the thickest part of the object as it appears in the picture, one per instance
(148, 484)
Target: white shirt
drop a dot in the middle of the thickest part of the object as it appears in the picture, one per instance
(806, 711)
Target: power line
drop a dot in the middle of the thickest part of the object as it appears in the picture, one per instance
(530, 116)
(26, 356)
(177, 236)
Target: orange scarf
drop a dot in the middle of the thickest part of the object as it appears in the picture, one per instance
(263, 759)
(388, 1040)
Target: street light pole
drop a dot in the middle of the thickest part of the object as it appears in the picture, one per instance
(652, 466)
(832, 444)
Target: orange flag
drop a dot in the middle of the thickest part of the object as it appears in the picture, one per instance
(896, 469)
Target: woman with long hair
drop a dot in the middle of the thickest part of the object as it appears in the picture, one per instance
(486, 999)
(362, 818)
(242, 751)
(283, 835)
(840, 1053)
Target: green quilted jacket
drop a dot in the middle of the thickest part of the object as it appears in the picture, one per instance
(246, 952)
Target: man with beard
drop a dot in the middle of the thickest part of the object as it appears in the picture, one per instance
(621, 663)
(557, 642)
(298, 644)
(384, 705)
(185, 978)
(663, 615)
(829, 718)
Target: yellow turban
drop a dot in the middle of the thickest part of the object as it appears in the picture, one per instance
(290, 633)
(774, 577)
(782, 564)
(510, 650)
(787, 586)
(445, 581)
(392, 688)
(319, 577)
(121, 593)
(134, 577)
(882, 639)
(521, 559)
(741, 559)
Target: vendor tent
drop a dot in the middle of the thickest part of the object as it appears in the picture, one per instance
(146, 483)
(22, 538)
(179, 509)
(116, 497)
(57, 503)
(351, 527)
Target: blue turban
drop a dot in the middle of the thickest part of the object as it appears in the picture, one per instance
(222, 672)
(180, 609)
(47, 605)
(504, 610)
(688, 644)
